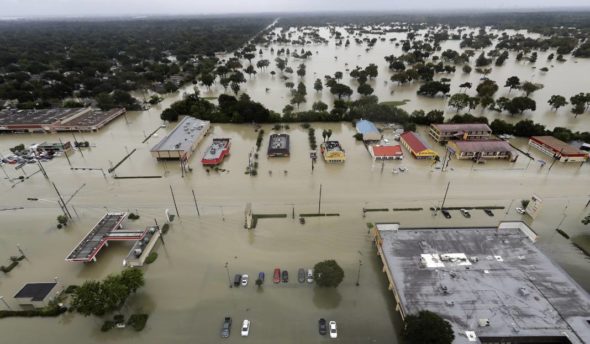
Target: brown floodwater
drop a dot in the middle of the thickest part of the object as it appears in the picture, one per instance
(186, 291)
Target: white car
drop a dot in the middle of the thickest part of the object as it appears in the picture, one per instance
(309, 276)
(246, 328)
(244, 280)
(333, 331)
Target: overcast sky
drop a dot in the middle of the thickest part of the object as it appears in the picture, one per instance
(27, 8)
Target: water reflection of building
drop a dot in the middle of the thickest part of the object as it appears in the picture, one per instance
(182, 140)
(558, 149)
(459, 131)
(417, 146)
(491, 283)
(332, 151)
(278, 145)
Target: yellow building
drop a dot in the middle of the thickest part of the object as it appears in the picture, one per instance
(332, 151)
(417, 146)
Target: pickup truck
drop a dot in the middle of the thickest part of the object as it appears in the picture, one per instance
(226, 329)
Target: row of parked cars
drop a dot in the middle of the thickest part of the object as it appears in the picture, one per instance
(27, 158)
(278, 277)
(324, 327)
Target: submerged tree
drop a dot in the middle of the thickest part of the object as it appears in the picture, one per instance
(427, 327)
(328, 274)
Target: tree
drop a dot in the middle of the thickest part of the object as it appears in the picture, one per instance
(432, 88)
(297, 98)
(529, 87)
(249, 57)
(519, 105)
(289, 84)
(580, 103)
(372, 70)
(486, 102)
(482, 61)
(99, 298)
(262, 64)
(487, 88)
(427, 328)
(365, 89)
(512, 82)
(341, 90)
(467, 69)
(235, 87)
(224, 82)
(62, 220)
(319, 106)
(328, 274)
(207, 80)
(556, 101)
(301, 70)
(317, 85)
(338, 75)
(250, 70)
(281, 64)
(459, 101)
(465, 86)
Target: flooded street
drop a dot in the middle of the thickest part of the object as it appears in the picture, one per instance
(186, 291)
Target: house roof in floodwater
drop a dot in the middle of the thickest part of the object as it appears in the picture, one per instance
(35, 291)
(366, 127)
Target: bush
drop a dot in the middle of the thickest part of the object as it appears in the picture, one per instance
(525, 203)
(133, 216)
(71, 288)
(165, 228)
(151, 258)
(49, 311)
(7, 269)
(138, 321)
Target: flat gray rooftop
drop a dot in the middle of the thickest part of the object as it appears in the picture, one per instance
(471, 276)
(29, 117)
(188, 131)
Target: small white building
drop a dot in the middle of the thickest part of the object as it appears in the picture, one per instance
(35, 295)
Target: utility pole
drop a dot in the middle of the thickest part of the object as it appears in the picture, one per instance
(174, 200)
(65, 152)
(320, 201)
(63, 204)
(445, 197)
(196, 205)
(555, 158)
(358, 275)
(160, 230)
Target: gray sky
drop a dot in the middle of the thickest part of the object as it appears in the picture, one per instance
(18, 8)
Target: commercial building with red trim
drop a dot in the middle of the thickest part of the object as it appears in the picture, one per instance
(558, 149)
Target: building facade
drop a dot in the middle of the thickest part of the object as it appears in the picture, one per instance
(478, 150)
(558, 149)
(459, 131)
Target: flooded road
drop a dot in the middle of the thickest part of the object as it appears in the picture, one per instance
(187, 293)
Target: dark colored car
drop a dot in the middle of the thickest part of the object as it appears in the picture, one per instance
(301, 275)
(285, 276)
(226, 328)
(446, 214)
(276, 275)
(237, 280)
(322, 326)
(489, 212)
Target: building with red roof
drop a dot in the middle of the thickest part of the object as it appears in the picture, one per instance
(558, 149)
(417, 146)
(386, 152)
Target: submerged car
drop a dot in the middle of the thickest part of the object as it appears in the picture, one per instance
(309, 276)
(245, 328)
(261, 276)
(226, 328)
(465, 213)
(446, 214)
(285, 276)
(488, 212)
(277, 276)
(244, 280)
(333, 330)
(322, 326)
(301, 275)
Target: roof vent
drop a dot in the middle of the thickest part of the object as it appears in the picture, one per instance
(523, 291)
(471, 336)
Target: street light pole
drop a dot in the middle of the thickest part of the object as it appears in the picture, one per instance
(358, 275)
(227, 269)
